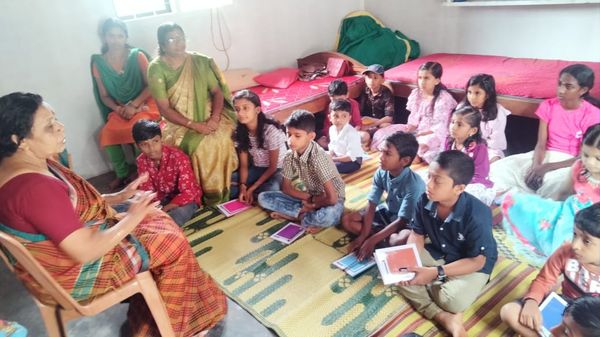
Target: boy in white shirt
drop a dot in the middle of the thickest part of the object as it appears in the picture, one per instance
(345, 143)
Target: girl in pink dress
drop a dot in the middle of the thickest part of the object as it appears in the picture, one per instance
(430, 106)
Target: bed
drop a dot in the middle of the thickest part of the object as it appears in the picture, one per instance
(312, 95)
(521, 83)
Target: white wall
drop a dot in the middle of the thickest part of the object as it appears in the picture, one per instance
(45, 47)
(569, 32)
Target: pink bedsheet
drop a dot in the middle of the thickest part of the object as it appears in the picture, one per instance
(522, 77)
(299, 92)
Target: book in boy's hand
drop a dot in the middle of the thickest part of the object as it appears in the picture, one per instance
(552, 312)
(233, 207)
(394, 262)
(288, 233)
(352, 265)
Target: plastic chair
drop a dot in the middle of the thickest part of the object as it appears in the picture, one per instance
(55, 316)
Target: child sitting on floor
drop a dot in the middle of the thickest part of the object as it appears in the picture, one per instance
(465, 136)
(538, 226)
(376, 105)
(169, 172)
(317, 200)
(344, 147)
(338, 89)
(260, 142)
(580, 319)
(378, 221)
(579, 264)
(430, 106)
(460, 252)
(563, 120)
(481, 95)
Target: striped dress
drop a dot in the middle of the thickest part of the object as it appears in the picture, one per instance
(194, 302)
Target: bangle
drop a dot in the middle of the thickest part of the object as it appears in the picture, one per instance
(189, 122)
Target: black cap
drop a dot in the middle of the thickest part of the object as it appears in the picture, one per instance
(374, 68)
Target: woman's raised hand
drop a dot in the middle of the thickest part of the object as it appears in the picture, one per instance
(141, 204)
(133, 186)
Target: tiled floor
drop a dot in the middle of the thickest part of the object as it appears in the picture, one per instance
(16, 305)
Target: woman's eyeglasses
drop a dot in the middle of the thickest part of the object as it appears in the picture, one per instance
(174, 40)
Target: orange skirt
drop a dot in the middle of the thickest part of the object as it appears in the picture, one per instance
(118, 129)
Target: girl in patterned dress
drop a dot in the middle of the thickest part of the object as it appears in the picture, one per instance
(577, 263)
(260, 143)
(430, 106)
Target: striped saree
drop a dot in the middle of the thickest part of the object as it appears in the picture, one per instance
(193, 300)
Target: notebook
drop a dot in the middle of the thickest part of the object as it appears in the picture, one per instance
(288, 233)
(394, 261)
(233, 207)
(552, 312)
(352, 266)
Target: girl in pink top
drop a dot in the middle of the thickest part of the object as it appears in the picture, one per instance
(430, 106)
(481, 95)
(563, 120)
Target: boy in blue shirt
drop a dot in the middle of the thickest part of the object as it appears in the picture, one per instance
(377, 221)
(453, 232)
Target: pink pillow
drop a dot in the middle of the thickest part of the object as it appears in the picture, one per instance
(279, 78)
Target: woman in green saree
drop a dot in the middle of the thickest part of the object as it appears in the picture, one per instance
(192, 96)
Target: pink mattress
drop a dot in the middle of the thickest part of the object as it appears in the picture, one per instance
(522, 77)
(299, 92)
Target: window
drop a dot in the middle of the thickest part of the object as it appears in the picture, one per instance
(191, 5)
(133, 9)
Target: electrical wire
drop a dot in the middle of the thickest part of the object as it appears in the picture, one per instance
(222, 48)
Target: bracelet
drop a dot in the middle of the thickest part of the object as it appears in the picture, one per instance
(189, 122)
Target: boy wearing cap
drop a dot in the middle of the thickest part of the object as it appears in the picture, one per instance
(377, 103)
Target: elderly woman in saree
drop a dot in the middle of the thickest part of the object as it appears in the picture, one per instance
(192, 96)
(76, 236)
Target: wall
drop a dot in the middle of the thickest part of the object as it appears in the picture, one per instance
(46, 49)
(569, 32)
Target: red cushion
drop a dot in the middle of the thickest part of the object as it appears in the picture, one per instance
(280, 78)
(522, 77)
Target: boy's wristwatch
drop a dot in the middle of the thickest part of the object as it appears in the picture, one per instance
(441, 274)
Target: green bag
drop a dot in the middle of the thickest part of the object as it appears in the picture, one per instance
(363, 39)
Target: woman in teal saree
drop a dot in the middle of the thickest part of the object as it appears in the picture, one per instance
(121, 91)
